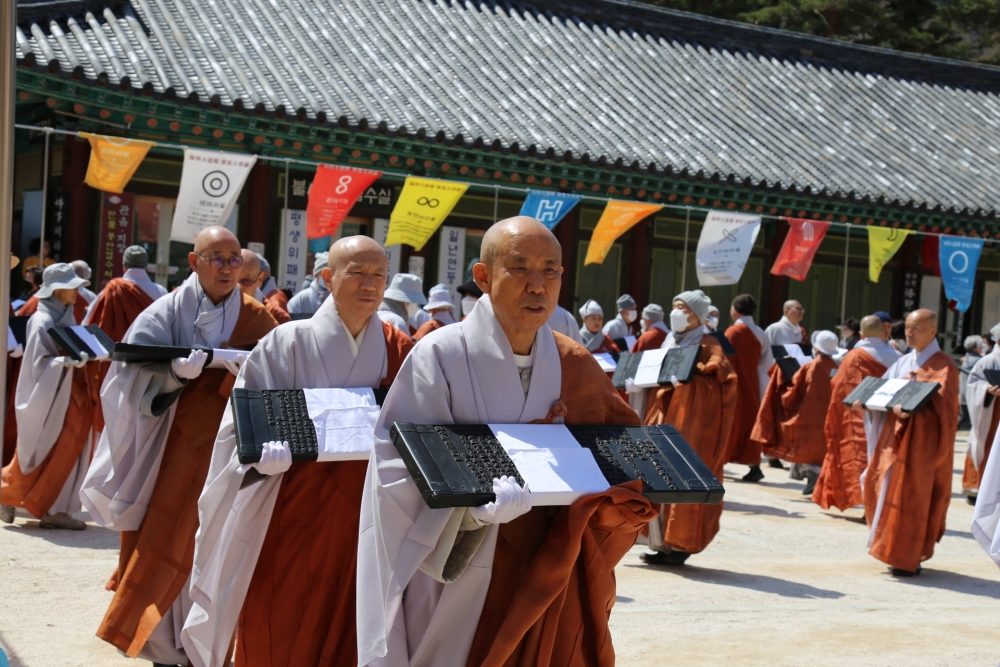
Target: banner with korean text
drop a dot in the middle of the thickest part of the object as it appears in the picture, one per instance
(548, 207)
(724, 247)
(799, 248)
(451, 260)
(332, 194)
(959, 259)
(883, 242)
(618, 218)
(292, 250)
(113, 161)
(423, 205)
(117, 214)
(210, 184)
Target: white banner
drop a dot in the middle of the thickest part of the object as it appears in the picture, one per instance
(210, 183)
(724, 247)
(451, 260)
(380, 231)
(294, 247)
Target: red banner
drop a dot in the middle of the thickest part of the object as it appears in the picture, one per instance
(801, 244)
(332, 195)
(117, 213)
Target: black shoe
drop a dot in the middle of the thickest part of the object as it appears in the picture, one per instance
(810, 485)
(673, 557)
(898, 572)
(755, 474)
(971, 500)
(775, 463)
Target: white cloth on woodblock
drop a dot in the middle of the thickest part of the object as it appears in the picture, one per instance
(462, 374)
(986, 515)
(879, 350)
(783, 332)
(303, 354)
(563, 321)
(980, 413)
(766, 355)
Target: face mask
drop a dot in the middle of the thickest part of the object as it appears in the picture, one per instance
(468, 303)
(713, 322)
(630, 315)
(678, 320)
(412, 309)
(642, 326)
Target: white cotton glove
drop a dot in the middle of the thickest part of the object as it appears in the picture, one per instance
(234, 366)
(674, 381)
(16, 352)
(275, 458)
(190, 368)
(631, 388)
(70, 362)
(512, 501)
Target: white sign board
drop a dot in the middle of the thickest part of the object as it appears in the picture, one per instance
(381, 230)
(294, 248)
(210, 184)
(451, 257)
(724, 247)
(416, 266)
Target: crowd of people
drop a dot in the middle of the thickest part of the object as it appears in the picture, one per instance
(343, 562)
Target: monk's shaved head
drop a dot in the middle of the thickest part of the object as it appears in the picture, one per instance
(794, 311)
(356, 274)
(219, 245)
(921, 328)
(519, 226)
(211, 236)
(251, 263)
(350, 247)
(871, 327)
(924, 316)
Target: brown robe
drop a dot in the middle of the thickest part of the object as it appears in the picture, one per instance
(972, 478)
(155, 561)
(553, 582)
(277, 304)
(839, 483)
(742, 449)
(703, 412)
(651, 340)
(427, 327)
(300, 607)
(916, 453)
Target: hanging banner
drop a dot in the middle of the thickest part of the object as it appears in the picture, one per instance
(799, 248)
(548, 207)
(959, 259)
(724, 247)
(618, 218)
(113, 161)
(931, 255)
(423, 205)
(332, 195)
(883, 242)
(451, 257)
(117, 213)
(293, 250)
(210, 184)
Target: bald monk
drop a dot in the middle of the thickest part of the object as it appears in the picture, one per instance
(907, 485)
(496, 584)
(788, 329)
(439, 307)
(301, 511)
(839, 483)
(250, 275)
(275, 300)
(702, 410)
(52, 405)
(980, 396)
(153, 457)
(790, 422)
(752, 362)
(654, 330)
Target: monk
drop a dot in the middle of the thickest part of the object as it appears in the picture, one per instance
(788, 329)
(703, 411)
(594, 339)
(501, 583)
(403, 297)
(654, 330)
(752, 363)
(439, 307)
(251, 277)
(621, 325)
(839, 482)
(790, 422)
(295, 510)
(980, 397)
(54, 412)
(311, 298)
(275, 300)
(907, 485)
(154, 454)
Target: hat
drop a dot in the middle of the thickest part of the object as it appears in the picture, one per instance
(882, 315)
(591, 308)
(697, 301)
(653, 313)
(59, 276)
(745, 304)
(320, 261)
(406, 287)
(439, 297)
(135, 257)
(850, 324)
(713, 309)
(995, 332)
(625, 302)
(470, 288)
(825, 342)
(264, 266)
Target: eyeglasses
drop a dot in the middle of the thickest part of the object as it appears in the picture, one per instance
(248, 281)
(235, 262)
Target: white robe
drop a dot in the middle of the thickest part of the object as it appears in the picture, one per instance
(463, 374)
(617, 328)
(783, 332)
(766, 355)
(563, 321)
(233, 522)
(418, 318)
(879, 350)
(980, 413)
(986, 515)
(309, 300)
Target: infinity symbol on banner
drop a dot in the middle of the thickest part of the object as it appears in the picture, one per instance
(430, 203)
(729, 236)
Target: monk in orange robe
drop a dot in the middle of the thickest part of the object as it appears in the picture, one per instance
(907, 486)
(656, 331)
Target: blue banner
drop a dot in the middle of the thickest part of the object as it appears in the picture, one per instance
(959, 258)
(322, 244)
(548, 207)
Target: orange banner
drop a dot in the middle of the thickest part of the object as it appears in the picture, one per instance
(113, 160)
(618, 218)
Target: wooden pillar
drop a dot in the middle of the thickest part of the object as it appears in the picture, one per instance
(258, 203)
(76, 156)
(638, 262)
(564, 233)
(776, 289)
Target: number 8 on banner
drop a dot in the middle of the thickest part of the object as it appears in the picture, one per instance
(333, 193)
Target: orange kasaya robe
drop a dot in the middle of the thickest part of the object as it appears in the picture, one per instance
(300, 607)
(277, 304)
(790, 422)
(972, 478)
(29, 307)
(651, 340)
(426, 328)
(703, 411)
(839, 483)
(742, 449)
(914, 458)
(553, 582)
(155, 561)
(114, 311)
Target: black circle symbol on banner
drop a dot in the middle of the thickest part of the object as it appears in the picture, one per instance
(430, 203)
(215, 183)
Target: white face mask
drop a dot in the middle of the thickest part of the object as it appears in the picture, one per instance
(712, 322)
(412, 309)
(468, 303)
(630, 315)
(678, 320)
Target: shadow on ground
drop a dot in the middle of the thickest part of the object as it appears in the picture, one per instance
(747, 508)
(754, 582)
(958, 583)
(93, 537)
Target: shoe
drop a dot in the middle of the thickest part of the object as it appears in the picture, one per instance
(968, 499)
(755, 474)
(898, 572)
(61, 520)
(775, 463)
(811, 478)
(672, 557)
(6, 514)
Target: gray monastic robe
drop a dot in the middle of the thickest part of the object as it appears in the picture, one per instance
(980, 413)
(783, 332)
(309, 300)
(563, 321)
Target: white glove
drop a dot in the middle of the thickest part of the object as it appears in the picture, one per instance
(234, 366)
(16, 352)
(275, 458)
(70, 362)
(190, 368)
(674, 381)
(512, 501)
(631, 387)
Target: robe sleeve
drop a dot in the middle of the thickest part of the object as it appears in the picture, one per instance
(980, 414)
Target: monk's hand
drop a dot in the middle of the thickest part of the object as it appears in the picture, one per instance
(70, 362)
(992, 389)
(275, 458)
(856, 405)
(17, 352)
(512, 501)
(234, 365)
(898, 411)
(631, 387)
(190, 368)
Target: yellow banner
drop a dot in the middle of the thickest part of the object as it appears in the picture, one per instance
(883, 242)
(422, 206)
(113, 160)
(618, 218)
